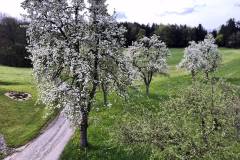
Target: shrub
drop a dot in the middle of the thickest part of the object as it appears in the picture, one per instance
(194, 125)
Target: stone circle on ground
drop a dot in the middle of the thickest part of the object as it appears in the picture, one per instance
(19, 96)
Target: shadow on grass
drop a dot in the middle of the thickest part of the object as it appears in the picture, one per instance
(101, 152)
(157, 97)
(9, 83)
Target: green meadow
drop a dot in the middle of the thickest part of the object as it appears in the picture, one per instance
(19, 121)
(103, 121)
(22, 121)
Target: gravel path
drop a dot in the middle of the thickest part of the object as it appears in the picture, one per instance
(49, 145)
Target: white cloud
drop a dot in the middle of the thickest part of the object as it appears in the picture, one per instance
(212, 13)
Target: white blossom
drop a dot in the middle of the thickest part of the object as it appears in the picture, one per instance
(73, 45)
(211, 55)
(149, 56)
(193, 59)
(203, 56)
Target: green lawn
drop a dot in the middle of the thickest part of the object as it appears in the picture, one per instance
(103, 120)
(22, 121)
(19, 121)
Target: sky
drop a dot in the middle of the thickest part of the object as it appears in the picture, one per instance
(210, 13)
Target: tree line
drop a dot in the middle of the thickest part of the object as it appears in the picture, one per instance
(13, 42)
(179, 36)
(13, 39)
(176, 36)
(229, 34)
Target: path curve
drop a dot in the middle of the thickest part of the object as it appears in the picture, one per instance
(49, 145)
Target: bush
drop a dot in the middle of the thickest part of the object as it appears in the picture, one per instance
(198, 124)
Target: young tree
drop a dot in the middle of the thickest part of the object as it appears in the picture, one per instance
(149, 56)
(192, 60)
(210, 54)
(72, 43)
(203, 56)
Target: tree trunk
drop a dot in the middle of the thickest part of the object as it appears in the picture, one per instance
(193, 75)
(147, 89)
(147, 80)
(105, 95)
(207, 75)
(83, 131)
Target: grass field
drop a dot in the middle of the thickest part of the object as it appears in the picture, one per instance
(102, 121)
(19, 121)
(22, 121)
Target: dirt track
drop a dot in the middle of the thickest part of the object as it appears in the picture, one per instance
(49, 145)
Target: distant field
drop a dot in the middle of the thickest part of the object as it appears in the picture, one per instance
(19, 121)
(102, 121)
